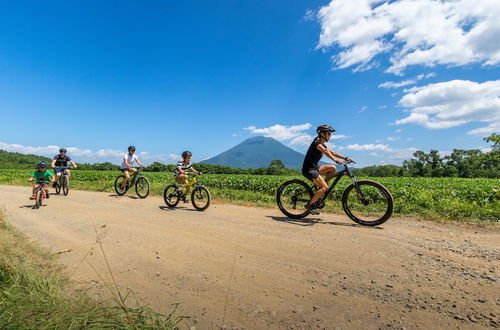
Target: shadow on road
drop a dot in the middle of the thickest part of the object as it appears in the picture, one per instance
(31, 206)
(314, 221)
(183, 208)
(129, 196)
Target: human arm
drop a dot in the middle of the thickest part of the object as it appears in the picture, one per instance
(331, 154)
(73, 163)
(53, 164)
(195, 171)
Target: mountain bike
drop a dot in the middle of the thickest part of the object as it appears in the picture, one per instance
(63, 181)
(39, 194)
(364, 201)
(141, 183)
(200, 196)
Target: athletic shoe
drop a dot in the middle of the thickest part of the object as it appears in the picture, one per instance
(47, 196)
(312, 209)
(32, 198)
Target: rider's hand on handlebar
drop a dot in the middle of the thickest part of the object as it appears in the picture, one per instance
(339, 162)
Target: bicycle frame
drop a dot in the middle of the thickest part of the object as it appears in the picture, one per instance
(337, 177)
(133, 177)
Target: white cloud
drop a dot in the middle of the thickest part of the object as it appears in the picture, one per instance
(86, 155)
(392, 153)
(361, 147)
(413, 81)
(399, 130)
(281, 132)
(363, 108)
(412, 32)
(393, 138)
(454, 103)
(382, 107)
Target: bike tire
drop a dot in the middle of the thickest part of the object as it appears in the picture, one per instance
(65, 185)
(119, 179)
(171, 196)
(302, 188)
(386, 208)
(142, 183)
(199, 193)
(38, 200)
(58, 188)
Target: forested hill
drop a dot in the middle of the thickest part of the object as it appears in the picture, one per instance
(17, 160)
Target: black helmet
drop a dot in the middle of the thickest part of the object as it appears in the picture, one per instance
(186, 153)
(131, 148)
(63, 151)
(41, 164)
(324, 128)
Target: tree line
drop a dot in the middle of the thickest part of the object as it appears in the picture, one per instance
(461, 163)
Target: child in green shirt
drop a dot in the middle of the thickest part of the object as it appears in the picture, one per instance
(41, 174)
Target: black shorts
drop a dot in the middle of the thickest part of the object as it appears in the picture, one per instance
(124, 169)
(311, 173)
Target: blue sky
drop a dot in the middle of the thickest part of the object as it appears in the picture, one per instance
(165, 76)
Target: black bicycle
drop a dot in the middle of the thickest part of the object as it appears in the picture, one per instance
(364, 201)
(141, 183)
(63, 183)
(200, 196)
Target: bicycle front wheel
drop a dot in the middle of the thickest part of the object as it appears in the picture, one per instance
(58, 187)
(38, 201)
(292, 196)
(65, 185)
(171, 195)
(142, 187)
(371, 204)
(200, 198)
(118, 183)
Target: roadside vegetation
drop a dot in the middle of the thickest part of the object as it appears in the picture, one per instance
(35, 294)
(476, 200)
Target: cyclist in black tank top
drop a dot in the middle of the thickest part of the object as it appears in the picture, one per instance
(312, 171)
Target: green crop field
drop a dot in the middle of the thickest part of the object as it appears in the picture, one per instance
(476, 200)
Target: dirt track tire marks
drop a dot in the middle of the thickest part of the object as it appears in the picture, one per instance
(322, 272)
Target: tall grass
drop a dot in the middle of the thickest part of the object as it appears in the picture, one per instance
(35, 294)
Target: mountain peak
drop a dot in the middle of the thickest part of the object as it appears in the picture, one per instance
(258, 151)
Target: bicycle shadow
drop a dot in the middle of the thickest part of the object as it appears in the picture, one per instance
(31, 206)
(119, 196)
(182, 208)
(314, 221)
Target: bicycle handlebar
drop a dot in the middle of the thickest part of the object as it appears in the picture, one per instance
(40, 181)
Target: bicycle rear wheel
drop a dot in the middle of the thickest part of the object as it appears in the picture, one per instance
(65, 185)
(142, 187)
(292, 196)
(118, 182)
(200, 198)
(371, 206)
(171, 195)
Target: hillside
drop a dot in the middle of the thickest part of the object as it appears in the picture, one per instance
(18, 160)
(257, 152)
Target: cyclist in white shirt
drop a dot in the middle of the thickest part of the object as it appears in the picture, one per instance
(128, 161)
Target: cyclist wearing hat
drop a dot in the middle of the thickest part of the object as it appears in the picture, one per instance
(183, 166)
(59, 162)
(312, 171)
(41, 174)
(126, 167)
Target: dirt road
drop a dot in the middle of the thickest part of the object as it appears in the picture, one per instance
(252, 268)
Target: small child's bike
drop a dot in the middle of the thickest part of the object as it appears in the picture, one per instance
(39, 194)
(200, 196)
(142, 185)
